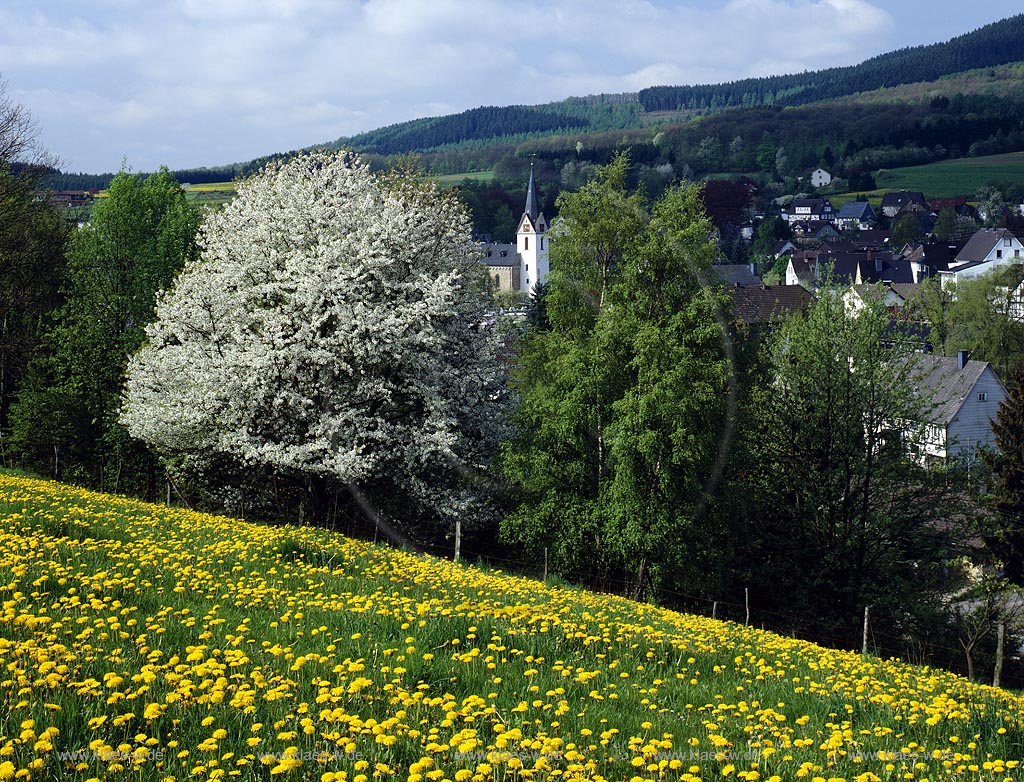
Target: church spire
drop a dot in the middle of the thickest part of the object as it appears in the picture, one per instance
(532, 210)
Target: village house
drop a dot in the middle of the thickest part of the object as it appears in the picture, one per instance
(766, 305)
(67, 199)
(988, 249)
(965, 396)
(958, 204)
(820, 178)
(811, 269)
(903, 202)
(737, 274)
(856, 215)
(807, 209)
(856, 297)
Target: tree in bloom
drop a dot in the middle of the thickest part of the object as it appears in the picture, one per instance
(330, 332)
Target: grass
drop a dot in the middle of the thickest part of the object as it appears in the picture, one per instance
(949, 178)
(142, 642)
(447, 180)
(212, 187)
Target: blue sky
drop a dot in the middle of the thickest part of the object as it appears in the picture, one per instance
(207, 82)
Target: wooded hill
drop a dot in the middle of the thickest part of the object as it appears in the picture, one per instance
(993, 44)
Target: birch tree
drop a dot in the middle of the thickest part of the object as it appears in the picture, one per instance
(623, 396)
(329, 332)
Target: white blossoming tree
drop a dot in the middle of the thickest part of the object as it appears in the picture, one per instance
(329, 331)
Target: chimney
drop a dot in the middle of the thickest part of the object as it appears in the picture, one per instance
(753, 268)
(962, 357)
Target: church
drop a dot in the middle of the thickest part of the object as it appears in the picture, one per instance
(523, 265)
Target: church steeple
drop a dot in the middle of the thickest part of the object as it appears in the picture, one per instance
(532, 210)
(531, 241)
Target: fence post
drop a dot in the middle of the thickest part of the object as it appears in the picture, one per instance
(1000, 634)
(864, 643)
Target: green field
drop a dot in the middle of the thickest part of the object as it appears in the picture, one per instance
(949, 178)
(447, 180)
(211, 187)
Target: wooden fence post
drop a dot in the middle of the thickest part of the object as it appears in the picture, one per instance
(864, 643)
(1000, 635)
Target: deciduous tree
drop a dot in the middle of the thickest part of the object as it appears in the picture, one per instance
(31, 250)
(1007, 465)
(137, 240)
(845, 516)
(622, 397)
(330, 333)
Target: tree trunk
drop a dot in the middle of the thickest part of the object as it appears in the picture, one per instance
(458, 539)
(968, 648)
(640, 578)
(319, 505)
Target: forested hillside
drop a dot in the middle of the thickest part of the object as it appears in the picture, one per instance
(499, 123)
(993, 44)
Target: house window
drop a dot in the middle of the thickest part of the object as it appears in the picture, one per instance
(497, 280)
(999, 253)
(542, 243)
(1007, 242)
(526, 242)
(982, 396)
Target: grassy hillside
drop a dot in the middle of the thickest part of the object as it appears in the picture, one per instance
(949, 178)
(1003, 81)
(141, 642)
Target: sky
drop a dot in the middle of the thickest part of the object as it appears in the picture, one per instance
(191, 83)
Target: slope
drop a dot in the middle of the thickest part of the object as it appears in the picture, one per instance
(156, 643)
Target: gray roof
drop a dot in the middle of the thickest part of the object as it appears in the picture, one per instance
(873, 236)
(905, 290)
(883, 267)
(532, 210)
(736, 274)
(948, 386)
(856, 210)
(902, 197)
(978, 246)
(499, 255)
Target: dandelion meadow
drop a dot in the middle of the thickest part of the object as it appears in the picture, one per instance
(140, 642)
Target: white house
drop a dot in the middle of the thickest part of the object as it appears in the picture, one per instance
(856, 214)
(988, 249)
(820, 178)
(806, 209)
(966, 395)
(856, 297)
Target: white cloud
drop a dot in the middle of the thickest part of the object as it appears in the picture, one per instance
(201, 82)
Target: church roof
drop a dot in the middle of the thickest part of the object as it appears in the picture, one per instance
(532, 210)
(499, 254)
